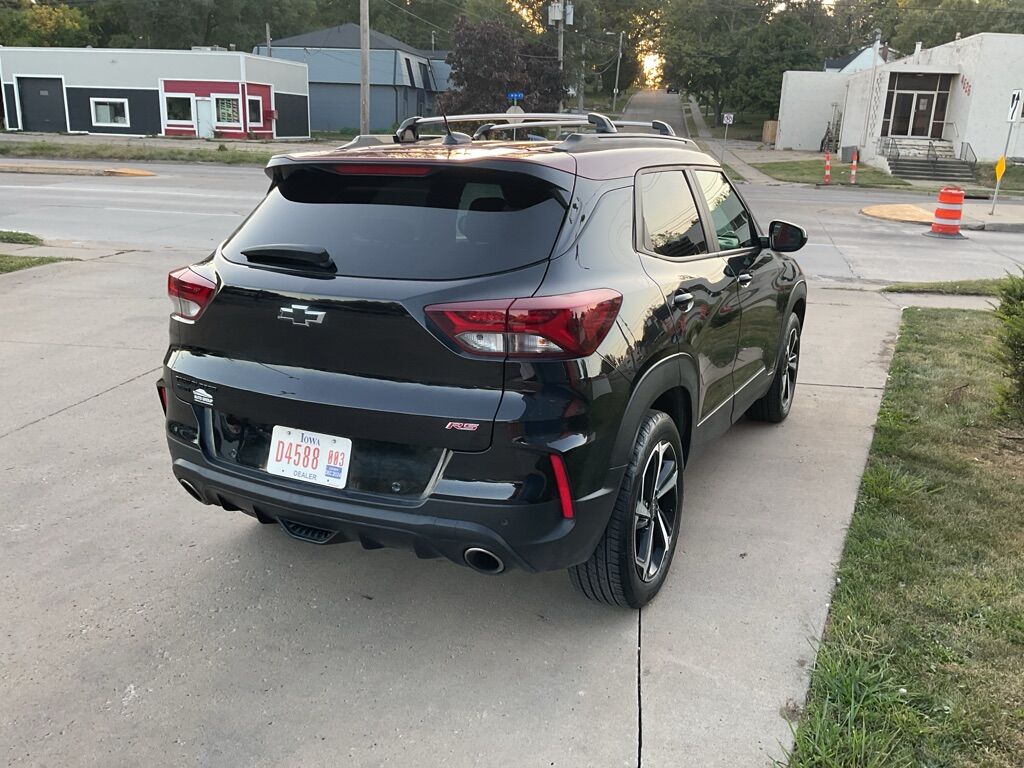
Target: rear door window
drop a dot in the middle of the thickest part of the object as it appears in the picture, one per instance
(732, 221)
(411, 222)
(671, 222)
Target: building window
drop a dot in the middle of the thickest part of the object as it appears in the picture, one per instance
(227, 110)
(254, 111)
(179, 109)
(110, 113)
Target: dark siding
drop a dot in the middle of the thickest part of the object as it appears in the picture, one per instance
(292, 114)
(9, 107)
(143, 109)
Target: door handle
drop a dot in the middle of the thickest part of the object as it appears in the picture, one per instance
(744, 279)
(684, 300)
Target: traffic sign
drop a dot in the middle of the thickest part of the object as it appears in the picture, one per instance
(1000, 167)
(515, 109)
(515, 95)
(727, 118)
(1015, 104)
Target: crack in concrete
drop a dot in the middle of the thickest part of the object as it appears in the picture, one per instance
(842, 386)
(83, 400)
(639, 691)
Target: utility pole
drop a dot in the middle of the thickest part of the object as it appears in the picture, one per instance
(270, 51)
(618, 66)
(560, 14)
(582, 85)
(432, 48)
(364, 66)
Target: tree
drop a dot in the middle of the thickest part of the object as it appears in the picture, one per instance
(934, 23)
(702, 41)
(784, 43)
(28, 24)
(491, 58)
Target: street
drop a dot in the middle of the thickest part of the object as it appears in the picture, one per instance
(143, 628)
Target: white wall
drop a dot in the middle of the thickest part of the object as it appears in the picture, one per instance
(805, 107)
(285, 76)
(993, 72)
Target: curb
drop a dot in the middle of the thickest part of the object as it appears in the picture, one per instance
(74, 170)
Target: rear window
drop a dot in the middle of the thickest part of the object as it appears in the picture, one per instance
(429, 225)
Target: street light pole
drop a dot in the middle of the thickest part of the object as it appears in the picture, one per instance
(618, 66)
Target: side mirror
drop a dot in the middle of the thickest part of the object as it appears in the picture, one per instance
(785, 237)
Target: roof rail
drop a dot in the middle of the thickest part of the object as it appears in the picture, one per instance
(409, 130)
(581, 142)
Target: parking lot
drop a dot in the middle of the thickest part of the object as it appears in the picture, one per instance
(143, 628)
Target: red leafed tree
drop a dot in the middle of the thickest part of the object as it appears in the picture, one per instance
(489, 59)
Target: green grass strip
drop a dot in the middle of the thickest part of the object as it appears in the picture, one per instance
(922, 662)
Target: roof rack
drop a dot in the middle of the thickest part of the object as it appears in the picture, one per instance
(409, 131)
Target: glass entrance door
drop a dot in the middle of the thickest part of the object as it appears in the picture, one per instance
(902, 112)
(922, 122)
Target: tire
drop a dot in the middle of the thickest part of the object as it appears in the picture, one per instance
(778, 400)
(612, 575)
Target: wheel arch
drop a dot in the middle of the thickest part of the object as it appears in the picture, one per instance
(669, 385)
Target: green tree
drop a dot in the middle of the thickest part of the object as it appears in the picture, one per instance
(702, 41)
(934, 23)
(30, 24)
(784, 43)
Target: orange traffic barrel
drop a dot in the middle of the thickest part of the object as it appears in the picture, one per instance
(948, 212)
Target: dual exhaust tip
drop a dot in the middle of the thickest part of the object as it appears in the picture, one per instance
(477, 558)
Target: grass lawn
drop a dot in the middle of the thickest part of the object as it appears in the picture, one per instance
(21, 238)
(1013, 179)
(986, 287)
(14, 263)
(922, 662)
(813, 172)
(747, 126)
(732, 173)
(55, 150)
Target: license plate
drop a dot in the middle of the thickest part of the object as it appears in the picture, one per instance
(309, 456)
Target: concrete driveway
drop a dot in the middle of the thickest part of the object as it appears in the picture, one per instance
(142, 628)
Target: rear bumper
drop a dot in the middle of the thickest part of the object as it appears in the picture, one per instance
(532, 537)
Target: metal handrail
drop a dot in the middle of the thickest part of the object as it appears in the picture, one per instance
(888, 148)
(967, 155)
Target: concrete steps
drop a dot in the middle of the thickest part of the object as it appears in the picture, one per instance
(943, 169)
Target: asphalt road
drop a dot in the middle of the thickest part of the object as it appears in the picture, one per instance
(657, 105)
(193, 207)
(142, 628)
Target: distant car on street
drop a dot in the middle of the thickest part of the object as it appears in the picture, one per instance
(499, 352)
(671, 89)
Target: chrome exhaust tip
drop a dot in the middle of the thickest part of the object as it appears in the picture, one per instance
(192, 491)
(483, 561)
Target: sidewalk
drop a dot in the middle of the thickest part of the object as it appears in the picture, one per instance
(714, 147)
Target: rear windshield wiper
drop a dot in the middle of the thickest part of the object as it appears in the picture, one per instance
(300, 257)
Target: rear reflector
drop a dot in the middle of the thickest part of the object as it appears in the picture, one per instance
(161, 390)
(556, 327)
(562, 482)
(189, 292)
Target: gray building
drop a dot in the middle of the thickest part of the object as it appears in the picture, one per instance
(404, 81)
(141, 92)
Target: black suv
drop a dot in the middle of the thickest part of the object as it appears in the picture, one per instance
(496, 350)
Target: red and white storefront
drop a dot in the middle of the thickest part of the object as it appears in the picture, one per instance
(217, 109)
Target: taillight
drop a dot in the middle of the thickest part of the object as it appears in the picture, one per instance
(565, 326)
(189, 292)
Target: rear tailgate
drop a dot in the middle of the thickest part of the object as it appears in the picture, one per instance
(346, 349)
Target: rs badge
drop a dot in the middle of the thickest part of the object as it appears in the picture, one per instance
(463, 426)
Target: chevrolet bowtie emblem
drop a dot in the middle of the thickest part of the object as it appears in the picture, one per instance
(301, 314)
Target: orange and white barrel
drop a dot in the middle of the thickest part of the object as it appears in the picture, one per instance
(948, 212)
(828, 168)
(853, 168)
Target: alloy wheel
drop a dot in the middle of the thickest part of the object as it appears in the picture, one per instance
(792, 363)
(654, 518)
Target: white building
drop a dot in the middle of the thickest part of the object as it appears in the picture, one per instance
(939, 103)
